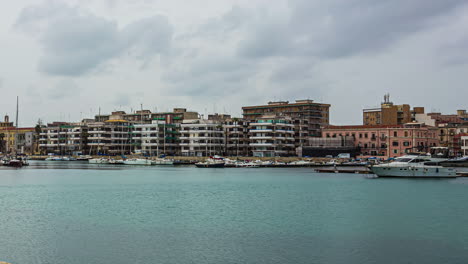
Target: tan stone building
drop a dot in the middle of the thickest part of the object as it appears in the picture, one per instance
(390, 114)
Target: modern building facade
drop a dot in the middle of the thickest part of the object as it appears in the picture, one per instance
(112, 137)
(272, 136)
(236, 131)
(202, 138)
(63, 138)
(156, 138)
(307, 116)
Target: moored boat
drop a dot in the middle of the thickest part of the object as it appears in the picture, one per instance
(99, 161)
(137, 162)
(116, 162)
(211, 163)
(84, 157)
(457, 162)
(412, 166)
(162, 162)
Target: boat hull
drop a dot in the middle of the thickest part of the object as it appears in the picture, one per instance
(213, 165)
(98, 161)
(414, 172)
(162, 162)
(137, 162)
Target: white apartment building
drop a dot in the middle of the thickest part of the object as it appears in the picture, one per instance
(112, 137)
(464, 145)
(272, 136)
(63, 138)
(156, 138)
(201, 137)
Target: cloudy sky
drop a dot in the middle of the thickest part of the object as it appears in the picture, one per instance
(65, 59)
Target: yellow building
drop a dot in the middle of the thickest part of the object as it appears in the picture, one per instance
(15, 140)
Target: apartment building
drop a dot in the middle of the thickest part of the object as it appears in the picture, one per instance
(464, 145)
(112, 137)
(387, 140)
(272, 136)
(156, 138)
(307, 116)
(146, 116)
(200, 137)
(63, 138)
(237, 137)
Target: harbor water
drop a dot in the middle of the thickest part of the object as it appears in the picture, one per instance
(74, 213)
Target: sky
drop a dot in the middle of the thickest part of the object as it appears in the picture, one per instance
(66, 59)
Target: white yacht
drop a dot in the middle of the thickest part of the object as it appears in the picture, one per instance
(413, 166)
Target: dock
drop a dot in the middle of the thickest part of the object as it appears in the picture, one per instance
(333, 170)
(462, 174)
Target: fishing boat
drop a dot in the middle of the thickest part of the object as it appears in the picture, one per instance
(413, 166)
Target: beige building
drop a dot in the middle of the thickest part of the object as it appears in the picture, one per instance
(390, 114)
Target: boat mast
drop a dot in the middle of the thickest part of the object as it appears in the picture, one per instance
(16, 133)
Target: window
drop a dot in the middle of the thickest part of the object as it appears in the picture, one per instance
(395, 134)
(406, 143)
(365, 135)
(360, 135)
(395, 151)
(406, 133)
(395, 143)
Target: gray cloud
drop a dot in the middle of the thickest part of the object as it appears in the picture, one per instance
(76, 42)
(64, 89)
(336, 28)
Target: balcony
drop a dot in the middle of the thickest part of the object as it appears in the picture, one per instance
(261, 144)
(261, 137)
(260, 130)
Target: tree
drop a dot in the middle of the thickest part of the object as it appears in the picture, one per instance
(2, 142)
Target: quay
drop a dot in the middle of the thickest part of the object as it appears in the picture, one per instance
(335, 170)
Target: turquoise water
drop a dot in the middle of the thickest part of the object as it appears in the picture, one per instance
(92, 214)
